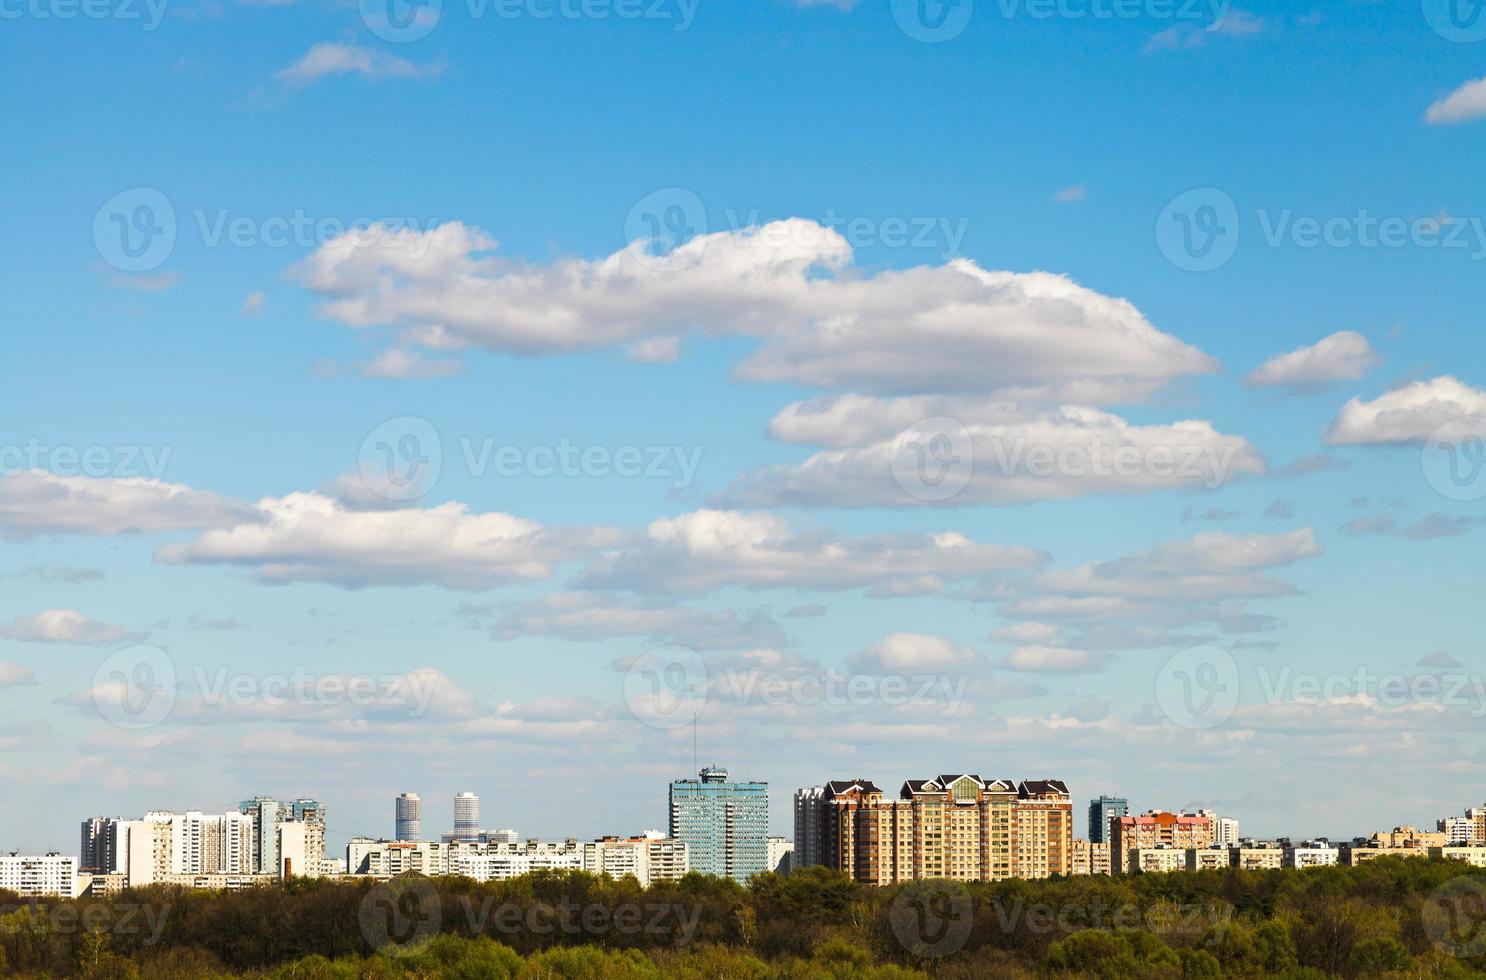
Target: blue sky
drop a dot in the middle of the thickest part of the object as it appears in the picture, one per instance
(268, 350)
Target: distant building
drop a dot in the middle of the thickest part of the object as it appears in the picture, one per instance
(501, 836)
(1089, 858)
(647, 859)
(1101, 811)
(409, 818)
(724, 825)
(98, 850)
(1223, 830)
(781, 854)
(957, 826)
(466, 817)
(1311, 854)
(1258, 856)
(1470, 854)
(47, 876)
(809, 821)
(1209, 858)
(1156, 829)
(1155, 860)
(1464, 831)
(268, 816)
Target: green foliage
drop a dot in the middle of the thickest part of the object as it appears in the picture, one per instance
(1324, 923)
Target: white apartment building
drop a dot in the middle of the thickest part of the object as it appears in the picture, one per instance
(647, 859)
(1224, 829)
(1312, 854)
(653, 857)
(781, 855)
(47, 876)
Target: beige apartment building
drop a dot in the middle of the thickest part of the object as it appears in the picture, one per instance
(1090, 858)
(1155, 860)
(959, 827)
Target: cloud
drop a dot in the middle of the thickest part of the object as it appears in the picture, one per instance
(65, 626)
(954, 327)
(655, 350)
(808, 611)
(1427, 528)
(1071, 195)
(1344, 356)
(713, 549)
(1314, 463)
(912, 653)
(253, 305)
(14, 675)
(336, 58)
(1462, 105)
(1051, 659)
(307, 537)
(36, 502)
(1002, 453)
(1406, 415)
(586, 617)
(398, 363)
(1185, 37)
(1279, 510)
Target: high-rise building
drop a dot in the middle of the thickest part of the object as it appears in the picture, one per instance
(647, 859)
(809, 820)
(1224, 830)
(1100, 813)
(466, 817)
(957, 826)
(268, 817)
(409, 818)
(99, 848)
(724, 825)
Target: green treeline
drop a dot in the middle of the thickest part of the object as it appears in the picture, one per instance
(1388, 918)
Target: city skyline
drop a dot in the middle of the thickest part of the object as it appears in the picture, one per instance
(544, 404)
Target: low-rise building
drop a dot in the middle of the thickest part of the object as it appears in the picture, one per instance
(1472, 855)
(1258, 856)
(1311, 854)
(1209, 858)
(1155, 860)
(1360, 852)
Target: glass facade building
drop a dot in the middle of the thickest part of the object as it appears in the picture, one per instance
(1101, 811)
(724, 825)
